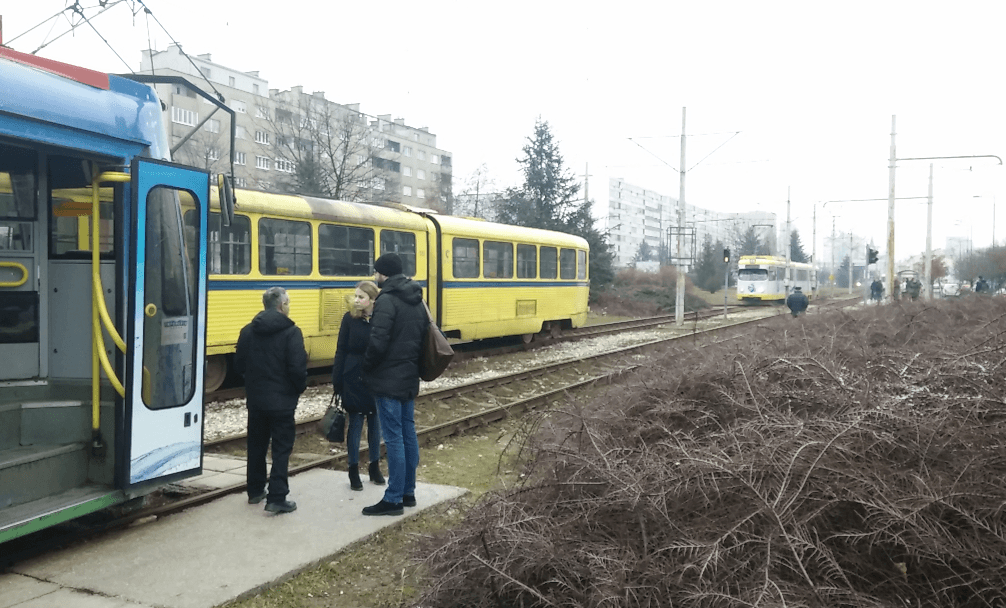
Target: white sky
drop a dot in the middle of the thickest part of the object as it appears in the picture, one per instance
(811, 89)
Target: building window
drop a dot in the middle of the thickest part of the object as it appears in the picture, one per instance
(261, 112)
(422, 155)
(239, 158)
(466, 258)
(420, 193)
(212, 125)
(392, 145)
(404, 244)
(497, 260)
(240, 182)
(262, 137)
(255, 89)
(239, 106)
(206, 72)
(415, 136)
(420, 174)
(407, 150)
(261, 162)
(407, 171)
(407, 190)
(230, 81)
(527, 262)
(239, 132)
(284, 247)
(435, 159)
(212, 154)
(285, 166)
(183, 116)
(345, 251)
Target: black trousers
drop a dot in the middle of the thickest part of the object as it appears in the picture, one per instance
(264, 426)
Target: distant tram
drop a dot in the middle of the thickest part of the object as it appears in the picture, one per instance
(102, 295)
(762, 278)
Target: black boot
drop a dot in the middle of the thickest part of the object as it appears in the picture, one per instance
(375, 473)
(354, 477)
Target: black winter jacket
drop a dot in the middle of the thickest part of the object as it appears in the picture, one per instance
(797, 301)
(271, 356)
(397, 329)
(347, 371)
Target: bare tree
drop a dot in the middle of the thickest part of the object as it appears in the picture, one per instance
(476, 195)
(207, 149)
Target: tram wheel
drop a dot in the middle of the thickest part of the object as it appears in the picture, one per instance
(527, 338)
(555, 331)
(216, 372)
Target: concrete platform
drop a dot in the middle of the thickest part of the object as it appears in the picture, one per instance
(209, 555)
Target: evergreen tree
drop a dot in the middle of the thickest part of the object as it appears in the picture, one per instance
(644, 253)
(707, 272)
(750, 243)
(601, 260)
(842, 277)
(796, 252)
(548, 197)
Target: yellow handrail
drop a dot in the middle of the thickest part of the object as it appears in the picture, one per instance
(24, 274)
(99, 312)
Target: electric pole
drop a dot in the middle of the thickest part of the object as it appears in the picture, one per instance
(679, 296)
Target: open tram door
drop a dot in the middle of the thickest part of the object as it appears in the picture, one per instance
(165, 324)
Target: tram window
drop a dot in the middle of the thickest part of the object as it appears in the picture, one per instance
(17, 198)
(404, 244)
(497, 260)
(549, 262)
(527, 262)
(567, 264)
(230, 246)
(752, 274)
(169, 297)
(581, 264)
(466, 258)
(345, 251)
(284, 247)
(70, 204)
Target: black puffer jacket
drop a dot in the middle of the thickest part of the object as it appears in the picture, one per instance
(270, 353)
(347, 371)
(397, 328)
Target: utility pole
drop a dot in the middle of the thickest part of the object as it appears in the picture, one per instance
(679, 296)
(929, 238)
(850, 262)
(813, 251)
(833, 273)
(788, 245)
(889, 283)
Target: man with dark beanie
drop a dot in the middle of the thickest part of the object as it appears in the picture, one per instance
(391, 372)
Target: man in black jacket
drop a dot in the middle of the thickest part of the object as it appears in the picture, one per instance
(271, 355)
(391, 372)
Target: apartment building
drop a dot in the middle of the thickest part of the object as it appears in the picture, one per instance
(296, 141)
(636, 215)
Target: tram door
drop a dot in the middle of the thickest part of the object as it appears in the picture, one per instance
(19, 281)
(166, 337)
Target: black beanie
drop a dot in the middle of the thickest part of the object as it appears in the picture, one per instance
(389, 264)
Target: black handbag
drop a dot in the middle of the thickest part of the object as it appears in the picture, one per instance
(332, 425)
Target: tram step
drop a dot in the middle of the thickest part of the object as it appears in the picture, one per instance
(44, 422)
(31, 516)
(31, 472)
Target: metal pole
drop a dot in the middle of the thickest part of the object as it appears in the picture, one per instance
(789, 246)
(726, 284)
(679, 296)
(890, 214)
(813, 251)
(929, 238)
(834, 271)
(850, 262)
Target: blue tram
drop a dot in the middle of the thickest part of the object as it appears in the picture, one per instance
(102, 295)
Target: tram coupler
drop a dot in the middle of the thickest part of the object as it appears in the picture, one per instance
(98, 445)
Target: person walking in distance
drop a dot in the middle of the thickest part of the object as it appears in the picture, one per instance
(391, 372)
(271, 356)
(347, 381)
(797, 301)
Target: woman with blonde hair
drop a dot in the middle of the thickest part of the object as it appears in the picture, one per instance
(347, 381)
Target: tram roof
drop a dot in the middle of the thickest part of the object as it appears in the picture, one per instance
(475, 228)
(768, 260)
(313, 208)
(83, 100)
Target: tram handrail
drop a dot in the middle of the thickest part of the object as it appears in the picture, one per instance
(24, 274)
(99, 312)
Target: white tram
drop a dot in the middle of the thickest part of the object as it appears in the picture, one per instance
(762, 278)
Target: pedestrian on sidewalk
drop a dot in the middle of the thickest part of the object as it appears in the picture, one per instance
(270, 354)
(347, 381)
(391, 371)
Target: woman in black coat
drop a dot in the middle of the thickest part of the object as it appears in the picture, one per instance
(354, 334)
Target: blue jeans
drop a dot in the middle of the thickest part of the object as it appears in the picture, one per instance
(399, 427)
(353, 438)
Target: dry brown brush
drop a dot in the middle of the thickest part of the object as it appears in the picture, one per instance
(844, 459)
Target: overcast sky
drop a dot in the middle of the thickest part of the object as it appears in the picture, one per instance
(808, 90)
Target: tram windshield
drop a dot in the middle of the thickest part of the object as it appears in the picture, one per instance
(752, 274)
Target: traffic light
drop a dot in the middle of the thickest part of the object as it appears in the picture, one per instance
(871, 255)
(726, 256)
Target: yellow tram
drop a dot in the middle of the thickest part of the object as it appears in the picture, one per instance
(762, 278)
(481, 279)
